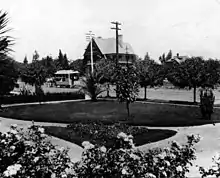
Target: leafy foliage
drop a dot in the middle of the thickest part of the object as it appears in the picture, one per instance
(150, 74)
(49, 65)
(128, 85)
(30, 154)
(35, 74)
(8, 72)
(102, 134)
(77, 65)
(125, 161)
(91, 85)
(105, 68)
(194, 72)
(62, 61)
(5, 41)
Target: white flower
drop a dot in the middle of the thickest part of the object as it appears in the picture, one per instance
(135, 157)
(63, 175)
(167, 163)
(13, 131)
(130, 137)
(149, 175)
(61, 149)
(97, 167)
(14, 126)
(103, 149)
(179, 169)
(12, 148)
(3, 141)
(122, 135)
(90, 146)
(126, 139)
(36, 159)
(18, 137)
(124, 172)
(162, 155)
(41, 130)
(12, 170)
(85, 143)
(216, 158)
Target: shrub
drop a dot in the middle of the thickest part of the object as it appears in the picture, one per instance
(104, 135)
(123, 160)
(45, 97)
(214, 170)
(30, 154)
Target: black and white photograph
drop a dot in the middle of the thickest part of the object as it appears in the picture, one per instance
(109, 88)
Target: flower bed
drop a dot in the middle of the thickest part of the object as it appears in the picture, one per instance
(104, 134)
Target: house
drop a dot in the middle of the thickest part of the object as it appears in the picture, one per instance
(106, 48)
(178, 58)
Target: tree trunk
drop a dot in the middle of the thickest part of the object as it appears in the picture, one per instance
(1, 102)
(127, 106)
(194, 94)
(145, 92)
(108, 87)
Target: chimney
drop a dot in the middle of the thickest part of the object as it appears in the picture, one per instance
(120, 39)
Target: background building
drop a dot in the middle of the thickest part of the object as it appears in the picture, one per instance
(106, 48)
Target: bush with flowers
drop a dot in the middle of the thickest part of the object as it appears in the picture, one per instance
(124, 160)
(214, 170)
(104, 134)
(29, 154)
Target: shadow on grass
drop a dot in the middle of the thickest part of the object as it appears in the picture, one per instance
(65, 133)
(146, 114)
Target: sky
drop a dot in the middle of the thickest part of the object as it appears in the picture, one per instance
(187, 27)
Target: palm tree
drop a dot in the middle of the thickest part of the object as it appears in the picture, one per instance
(5, 41)
(91, 85)
(8, 76)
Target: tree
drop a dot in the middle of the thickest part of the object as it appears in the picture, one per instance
(105, 69)
(8, 73)
(62, 61)
(77, 65)
(169, 56)
(128, 85)
(25, 60)
(65, 62)
(36, 55)
(190, 73)
(150, 74)
(35, 74)
(5, 41)
(147, 56)
(49, 65)
(8, 76)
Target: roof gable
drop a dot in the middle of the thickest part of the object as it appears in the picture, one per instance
(108, 46)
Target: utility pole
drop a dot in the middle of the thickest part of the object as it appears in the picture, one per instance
(89, 37)
(116, 28)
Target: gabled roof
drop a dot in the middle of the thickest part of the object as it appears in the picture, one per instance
(108, 46)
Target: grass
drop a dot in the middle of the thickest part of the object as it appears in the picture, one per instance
(148, 114)
(152, 135)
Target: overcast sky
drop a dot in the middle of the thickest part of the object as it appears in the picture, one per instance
(189, 27)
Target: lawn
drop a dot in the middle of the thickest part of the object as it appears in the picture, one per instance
(148, 114)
